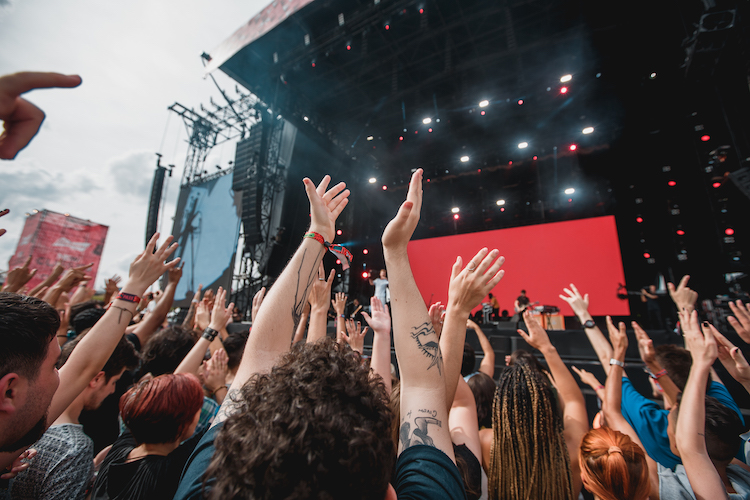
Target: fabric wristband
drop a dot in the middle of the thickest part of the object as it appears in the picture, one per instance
(344, 255)
(600, 387)
(128, 297)
(659, 374)
(209, 334)
(617, 362)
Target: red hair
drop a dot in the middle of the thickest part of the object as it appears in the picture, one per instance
(159, 410)
(613, 467)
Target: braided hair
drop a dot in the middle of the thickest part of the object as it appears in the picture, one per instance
(529, 458)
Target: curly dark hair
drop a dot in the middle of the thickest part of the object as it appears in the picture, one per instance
(165, 350)
(316, 426)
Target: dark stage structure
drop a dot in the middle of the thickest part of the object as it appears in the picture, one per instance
(521, 112)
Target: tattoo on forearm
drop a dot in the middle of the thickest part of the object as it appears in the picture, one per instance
(427, 342)
(300, 299)
(228, 406)
(420, 434)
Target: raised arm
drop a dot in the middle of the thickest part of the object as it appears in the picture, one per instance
(467, 287)
(691, 424)
(575, 418)
(732, 359)
(580, 306)
(380, 322)
(682, 296)
(590, 379)
(187, 323)
(48, 281)
(69, 280)
(488, 361)
(339, 305)
(612, 402)
(91, 354)
(320, 300)
(424, 415)
(741, 320)
(277, 319)
(219, 317)
(355, 335)
(656, 371)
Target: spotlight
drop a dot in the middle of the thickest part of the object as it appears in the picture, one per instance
(455, 216)
(646, 255)
(338, 261)
(671, 183)
(588, 130)
(369, 137)
(464, 159)
(372, 180)
(482, 113)
(705, 138)
(387, 26)
(365, 251)
(339, 232)
(484, 104)
(534, 157)
(502, 209)
(729, 231)
(680, 232)
(500, 202)
(652, 75)
(564, 90)
(385, 188)
(455, 210)
(566, 78)
(429, 129)
(573, 147)
(349, 46)
(716, 184)
(523, 145)
(306, 118)
(427, 121)
(365, 275)
(639, 219)
(570, 191)
(520, 102)
(401, 138)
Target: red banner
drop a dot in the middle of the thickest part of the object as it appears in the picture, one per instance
(50, 237)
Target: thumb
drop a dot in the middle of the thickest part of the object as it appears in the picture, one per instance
(737, 356)
(366, 316)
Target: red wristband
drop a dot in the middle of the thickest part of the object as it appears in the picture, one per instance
(344, 255)
(660, 374)
(128, 297)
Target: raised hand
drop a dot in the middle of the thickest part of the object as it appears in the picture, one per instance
(731, 357)
(18, 277)
(320, 292)
(82, 294)
(645, 344)
(21, 119)
(399, 231)
(339, 303)
(618, 337)
(577, 302)
(700, 341)
(257, 301)
(20, 464)
(437, 317)
(202, 314)
(355, 335)
(149, 265)
(470, 285)
(220, 315)
(325, 206)
(215, 370)
(380, 321)
(209, 296)
(73, 277)
(741, 320)
(588, 378)
(174, 274)
(682, 296)
(537, 336)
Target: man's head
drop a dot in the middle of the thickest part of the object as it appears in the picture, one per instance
(124, 357)
(652, 288)
(237, 314)
(723, 429)
(523, 292)
(234, 345)
(383, 274)
(165, 350)
(316, 426)
(677, 361)
(28, 376)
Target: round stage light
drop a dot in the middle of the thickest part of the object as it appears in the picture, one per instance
(639, 219)
(455, 210)
(573, 147)
(729, 231)
(680, 232)
(566, 78)
(500, 202)
(564, 90)
(385, 187)
(455, 216)
(647, 255)
(588, 130)
(523, 145)
(427, 120)
(716, 184)
(484, 104)
(570, 191)
(464, 159)
(520, 102)
(339, 232)
(365, 274)
(705, 138)
(671, 183)
(365, 251)
(372, 180)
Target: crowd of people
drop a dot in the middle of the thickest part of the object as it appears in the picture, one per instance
(285, 411)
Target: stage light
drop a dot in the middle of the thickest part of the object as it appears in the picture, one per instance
(429, 129)
(455, 216)
(369, 137)
(680, 232)
(570, 191)
(365, 275)
(313, 63)
(510, 163)
(387, 26)
(570, 200)
(35, 211)
(365, 251)
(523, 145)
(573, 147)
(520, 102)
(500, 202)
(464, 159)
(566, 78)
(401, 138)
(339, 232)
(306, 118)
(421, 11)
(705, 138)
(671, 183)
(564, 90)
(588, 130)
(729, 231)
(372, 180)
(484, 104)
(385, 187)
(502, 209)
(646, 255)
(716, 184)
(427, 120)
(455, 210)
(416, 131)
(534, 157)
(639, 219)
(652, 75)
(348, 46)
(482, 113)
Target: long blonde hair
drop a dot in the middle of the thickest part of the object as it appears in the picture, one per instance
(529, 458)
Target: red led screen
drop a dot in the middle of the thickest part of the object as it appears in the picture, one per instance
(542, 259)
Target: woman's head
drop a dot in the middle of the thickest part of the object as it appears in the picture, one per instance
(529, 458)
(613, 467)
(483, 388)
(163, 409)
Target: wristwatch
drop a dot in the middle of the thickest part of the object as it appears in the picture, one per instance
(589, 323)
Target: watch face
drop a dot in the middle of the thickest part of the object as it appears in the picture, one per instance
(589, 324)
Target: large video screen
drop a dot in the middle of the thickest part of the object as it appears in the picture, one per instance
(207, 227)
(541, 259)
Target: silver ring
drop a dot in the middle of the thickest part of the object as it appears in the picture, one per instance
(472, 269)
(321, 279)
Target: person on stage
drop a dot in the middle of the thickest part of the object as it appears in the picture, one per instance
(521, 303)
(381, 286)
